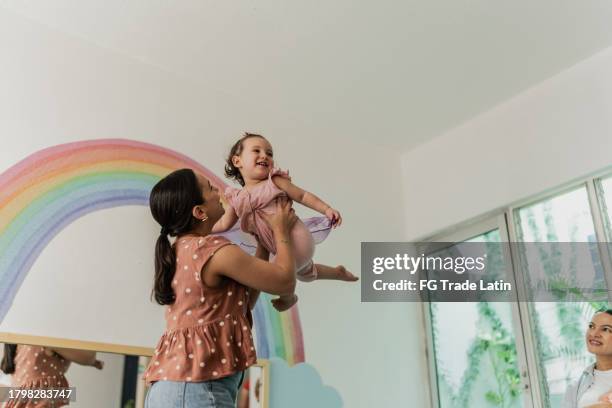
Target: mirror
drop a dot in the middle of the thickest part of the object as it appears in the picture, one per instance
(255, 390)
(98, 380)
(118, 383)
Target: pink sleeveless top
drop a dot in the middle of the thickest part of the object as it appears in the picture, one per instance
(208, 330)
(35, 369)
(251, 205)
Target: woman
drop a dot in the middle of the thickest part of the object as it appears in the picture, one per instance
(209, 286)
(35, 367)
(595, 384)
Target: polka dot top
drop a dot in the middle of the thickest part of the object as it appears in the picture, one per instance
(208, 330)
(35, 369)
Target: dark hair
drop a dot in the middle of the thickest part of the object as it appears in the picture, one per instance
(8, 360)
(232, 171)
(171, 201)
(604, 310)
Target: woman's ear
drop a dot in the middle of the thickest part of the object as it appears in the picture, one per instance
(199, 213)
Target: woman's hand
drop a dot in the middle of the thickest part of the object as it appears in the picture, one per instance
(283, 303)
(283, 219)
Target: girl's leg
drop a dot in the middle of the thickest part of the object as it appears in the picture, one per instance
(307, 271)
(336, 273)
(303, 250)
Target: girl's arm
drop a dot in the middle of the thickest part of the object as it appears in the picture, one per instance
(308, 199)
(226, 222)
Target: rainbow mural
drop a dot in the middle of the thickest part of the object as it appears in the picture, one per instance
(49, 189)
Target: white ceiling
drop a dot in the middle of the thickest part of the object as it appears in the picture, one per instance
(396, 72)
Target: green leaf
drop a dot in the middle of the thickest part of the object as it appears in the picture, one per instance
(493, 397)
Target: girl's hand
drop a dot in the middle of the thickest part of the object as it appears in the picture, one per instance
(334, 216)
(283, 218)
(98, 364)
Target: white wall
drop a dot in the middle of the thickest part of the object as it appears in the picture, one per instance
(57, 88)
(557, 131)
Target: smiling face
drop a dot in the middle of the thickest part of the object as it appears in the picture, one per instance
(212, 207)
(599, 334)
(255, 161)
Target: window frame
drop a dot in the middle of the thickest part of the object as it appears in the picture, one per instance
(505, 220)
(498, 222)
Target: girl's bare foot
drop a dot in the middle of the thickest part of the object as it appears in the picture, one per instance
(344, 275)
(335, 273)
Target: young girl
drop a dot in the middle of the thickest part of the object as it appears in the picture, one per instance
(35, 367)
(250, 163)
(209, 287)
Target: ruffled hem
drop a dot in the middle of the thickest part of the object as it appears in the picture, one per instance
(220, 374)
(204, 352)
(41, 383)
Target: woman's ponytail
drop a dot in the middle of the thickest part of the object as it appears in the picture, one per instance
(165, 266)
(8, 360)
(172, 200)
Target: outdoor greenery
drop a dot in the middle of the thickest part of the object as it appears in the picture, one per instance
(491, 377)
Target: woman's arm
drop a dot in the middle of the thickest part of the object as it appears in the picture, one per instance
(227, 221)
(308, 199)
(263, 254)
(277, 278)
(281, 303)
(83, 357)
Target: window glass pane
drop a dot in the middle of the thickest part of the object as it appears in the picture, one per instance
(605, 199)
(475, 352)
(563, 218)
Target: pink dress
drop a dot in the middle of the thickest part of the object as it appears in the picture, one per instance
(250, 206)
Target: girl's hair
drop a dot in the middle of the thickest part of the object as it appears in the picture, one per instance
(8, 360)
(172, 200)
(232, 171)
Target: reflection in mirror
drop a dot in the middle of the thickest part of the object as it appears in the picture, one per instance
(254, 392)
(100, 380)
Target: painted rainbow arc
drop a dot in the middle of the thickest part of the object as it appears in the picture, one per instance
(45, 192)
